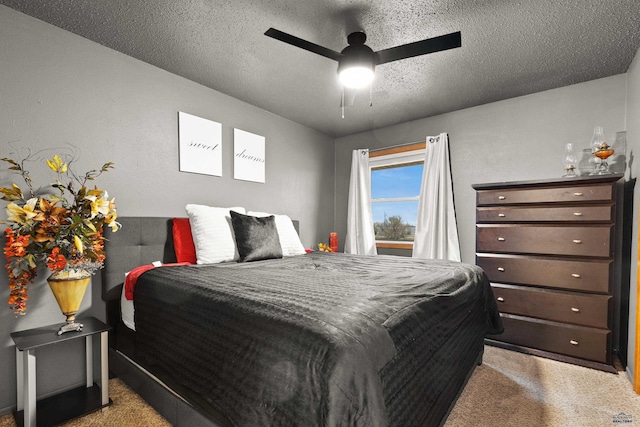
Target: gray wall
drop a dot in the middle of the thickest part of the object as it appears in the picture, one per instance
(57, 88)
(633, 150)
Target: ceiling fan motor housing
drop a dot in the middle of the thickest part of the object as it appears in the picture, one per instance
(357, 54)
(357, 64)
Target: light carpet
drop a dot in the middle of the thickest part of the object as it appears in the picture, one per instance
(514, 389)
(508, 389)
(128, 409)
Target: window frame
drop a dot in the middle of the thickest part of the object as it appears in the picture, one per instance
(392, 157)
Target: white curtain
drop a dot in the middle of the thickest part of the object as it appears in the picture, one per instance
(436, 230)
(360, 238)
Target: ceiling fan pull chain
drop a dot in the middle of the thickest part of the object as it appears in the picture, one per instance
(371, 96)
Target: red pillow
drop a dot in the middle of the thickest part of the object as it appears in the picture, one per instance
(183, 241)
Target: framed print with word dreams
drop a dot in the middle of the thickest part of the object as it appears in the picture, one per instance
(248, 156)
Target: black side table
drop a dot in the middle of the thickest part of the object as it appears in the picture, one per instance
(69, 404)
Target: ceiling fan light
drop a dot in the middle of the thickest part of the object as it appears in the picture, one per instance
(356, 77)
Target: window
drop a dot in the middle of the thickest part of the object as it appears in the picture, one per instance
(396, 179)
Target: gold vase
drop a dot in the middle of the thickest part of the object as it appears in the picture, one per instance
(69, 292)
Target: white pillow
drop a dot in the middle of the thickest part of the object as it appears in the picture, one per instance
(289, 239)
(212, 233)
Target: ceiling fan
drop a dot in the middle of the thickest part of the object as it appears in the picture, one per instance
(357, 62)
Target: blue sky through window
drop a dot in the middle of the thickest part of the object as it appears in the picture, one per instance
(402, 181)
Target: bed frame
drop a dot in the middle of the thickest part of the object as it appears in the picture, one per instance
(143, 240)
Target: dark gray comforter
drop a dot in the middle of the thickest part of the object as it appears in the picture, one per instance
(318, 339)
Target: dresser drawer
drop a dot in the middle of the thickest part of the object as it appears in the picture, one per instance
(587, 276)
(570, 340)
(566, 307)
(553, 240)
(601, 213)
(567, 194)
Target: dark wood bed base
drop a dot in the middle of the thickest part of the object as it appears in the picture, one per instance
(143, 240)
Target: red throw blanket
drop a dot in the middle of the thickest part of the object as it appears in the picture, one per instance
(132, 277)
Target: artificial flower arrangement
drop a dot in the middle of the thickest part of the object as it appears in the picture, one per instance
(63, 231)
(324, 248)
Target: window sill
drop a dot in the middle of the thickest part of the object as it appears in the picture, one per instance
(389, 245)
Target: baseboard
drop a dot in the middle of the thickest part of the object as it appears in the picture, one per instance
(7, 411)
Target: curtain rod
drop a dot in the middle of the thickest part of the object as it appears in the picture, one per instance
(399, 145)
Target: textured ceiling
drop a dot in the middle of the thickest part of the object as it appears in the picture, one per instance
(509, 48)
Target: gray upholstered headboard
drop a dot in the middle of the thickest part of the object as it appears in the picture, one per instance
(141, 240)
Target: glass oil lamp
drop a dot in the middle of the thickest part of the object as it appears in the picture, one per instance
(602, 151)
(570, 161)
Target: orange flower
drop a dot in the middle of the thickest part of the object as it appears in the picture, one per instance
(20, 275)
(55, 260)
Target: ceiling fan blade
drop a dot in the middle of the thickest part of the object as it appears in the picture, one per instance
(303, 44)
(436, 44)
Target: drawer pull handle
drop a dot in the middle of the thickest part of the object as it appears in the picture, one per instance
(573, 342)
(577, 213)
(577, 241)
(501, 215)
(500, 299)
(577, 194)
(575, 309)
(576, 275)
(500, 239)
(501, 197)
(500, 268)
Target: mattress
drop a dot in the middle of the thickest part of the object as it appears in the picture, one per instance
(127, 311)
(318, 339)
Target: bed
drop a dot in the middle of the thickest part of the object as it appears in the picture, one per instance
(315, 339)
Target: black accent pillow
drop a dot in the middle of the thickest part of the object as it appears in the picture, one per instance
(256, 237)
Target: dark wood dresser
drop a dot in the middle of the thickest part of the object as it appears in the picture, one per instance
(552, 251)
